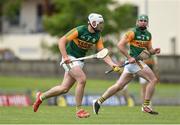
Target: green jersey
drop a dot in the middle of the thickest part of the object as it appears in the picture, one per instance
(80, 40)
(138, 40)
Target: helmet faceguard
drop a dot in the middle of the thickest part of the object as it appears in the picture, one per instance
(142, 22)
(96, 21)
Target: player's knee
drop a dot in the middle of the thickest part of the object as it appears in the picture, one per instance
(154, 80)
(65, 90)
(82, 81)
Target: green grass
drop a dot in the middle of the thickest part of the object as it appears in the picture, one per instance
(108, 115)
(91, 86)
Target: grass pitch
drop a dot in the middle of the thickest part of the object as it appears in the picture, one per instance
(107, 115)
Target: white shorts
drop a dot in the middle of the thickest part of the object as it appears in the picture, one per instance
(68, 67)
(134, 67)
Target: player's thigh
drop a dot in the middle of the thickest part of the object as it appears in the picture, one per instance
(124, 79)
(147, 74)
(78, 74)
(68, 80)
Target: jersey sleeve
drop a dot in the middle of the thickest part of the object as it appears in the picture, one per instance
(72, 34)
(99, 44)
(129, 36)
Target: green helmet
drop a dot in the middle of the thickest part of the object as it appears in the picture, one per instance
(143, 17)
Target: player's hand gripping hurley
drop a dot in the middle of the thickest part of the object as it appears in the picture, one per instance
(100, 55)
(143, 55)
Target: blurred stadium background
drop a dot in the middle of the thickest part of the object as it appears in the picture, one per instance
(29, 56)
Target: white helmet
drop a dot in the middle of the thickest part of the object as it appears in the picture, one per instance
(94, 19)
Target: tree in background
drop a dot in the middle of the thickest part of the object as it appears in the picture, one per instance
(71, 13)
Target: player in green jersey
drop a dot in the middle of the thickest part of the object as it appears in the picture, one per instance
(139, 39)
(73, 45)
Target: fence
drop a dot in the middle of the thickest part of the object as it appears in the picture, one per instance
(169, 68)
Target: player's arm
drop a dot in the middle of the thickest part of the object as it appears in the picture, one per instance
(153, 50)
(122, 45)
(107, 59)
(62, 43)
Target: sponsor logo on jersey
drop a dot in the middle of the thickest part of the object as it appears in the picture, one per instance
(139, 43)
(83, 44)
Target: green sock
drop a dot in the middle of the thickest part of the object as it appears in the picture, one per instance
(146, 102)
(101, 100)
